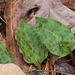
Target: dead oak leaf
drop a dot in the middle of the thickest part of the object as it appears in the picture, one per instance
(10, 69)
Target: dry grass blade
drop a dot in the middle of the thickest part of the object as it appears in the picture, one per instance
(54, 69)
(47, 66)
(51, 67)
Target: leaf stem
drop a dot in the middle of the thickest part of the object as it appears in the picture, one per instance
(71, 55)
(73, 58)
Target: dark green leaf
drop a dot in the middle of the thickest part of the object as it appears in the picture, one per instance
(29, 44)
(4, 55)
(58, 39)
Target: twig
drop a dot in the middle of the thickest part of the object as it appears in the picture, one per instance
(51, 67)
(54, 69)
(64, 61)
(2, 19)
(47, 67)
(70, 26)
(49, 71)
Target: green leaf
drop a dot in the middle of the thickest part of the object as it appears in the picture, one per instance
(58, 39)
(29, 44)
(4, 55)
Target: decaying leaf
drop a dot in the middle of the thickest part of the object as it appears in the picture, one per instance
(61, 13)
(55, 36)
(43, 11)
(29, 44)
(4, 55)
(10, 69)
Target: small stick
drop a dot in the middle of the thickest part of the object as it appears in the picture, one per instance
(50, 71)
(51, 68)
(70, 26)
(54, 69)
(2, 19)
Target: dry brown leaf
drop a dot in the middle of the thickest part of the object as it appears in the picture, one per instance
(62, 13)
(10, 69)
(16, 9)
(43, 11)
(69, 3)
